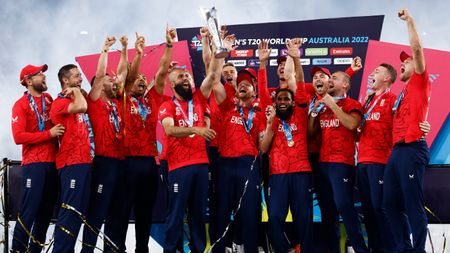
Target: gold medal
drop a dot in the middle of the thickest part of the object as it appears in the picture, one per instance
(191, 136)
(314, 114)
(291, 143)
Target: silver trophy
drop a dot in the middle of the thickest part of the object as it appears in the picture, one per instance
(212, 21)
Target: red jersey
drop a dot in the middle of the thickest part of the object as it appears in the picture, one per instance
(375, 141)
(105, 118)
(338, 143)
(185, 151)
(285, 159)
(140, 124)
(75, 146)
(37, 146)
(215, 119)
(413, 109)
(235, 140)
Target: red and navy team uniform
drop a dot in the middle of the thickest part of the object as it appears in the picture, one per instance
(74, 164)
(188, 173)
(336, 175)
(39, 180)
(403, 178)
(375, 145)
(290, 180)
(141, 171)
(107, 170)
(238, 162)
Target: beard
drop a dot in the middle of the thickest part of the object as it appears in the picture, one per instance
(183, 93)
(286, 114)
(41, 87)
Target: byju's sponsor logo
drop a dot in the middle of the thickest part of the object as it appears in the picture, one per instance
(253, 62)
(321, 61)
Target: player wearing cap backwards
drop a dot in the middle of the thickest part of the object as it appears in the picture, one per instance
(290, 181)
(403, 178)
(104, 113)
(337, 117)
(185, 119)
(74, 158)
(32, 128)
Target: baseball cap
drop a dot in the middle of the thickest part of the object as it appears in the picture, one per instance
(30, 70)
(248, 74)
(281, 59)
(324, 70)
(404, 56)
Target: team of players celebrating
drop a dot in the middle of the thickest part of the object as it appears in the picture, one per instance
(104, 165)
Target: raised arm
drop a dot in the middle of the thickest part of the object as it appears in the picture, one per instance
(136, 64)
(268, 134)
(414, 41)
(206, 49)
(96, 88)
(263, 90)
(164, 63)
(103, 59)
(213, 75)
(122, 67)
(290, 70)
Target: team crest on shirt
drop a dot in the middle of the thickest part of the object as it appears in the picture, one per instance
(382, 102)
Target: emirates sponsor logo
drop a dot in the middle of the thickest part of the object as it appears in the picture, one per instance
(341, 51)
(73, 183)
(329, 123)
(28, 183)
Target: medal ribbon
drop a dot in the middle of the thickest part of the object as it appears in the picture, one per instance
(366, 115)
(248, 124)
(39, 117)
(113, 114)
(287, 131)
(398, 101)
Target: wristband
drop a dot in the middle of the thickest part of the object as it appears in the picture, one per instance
(169, 45)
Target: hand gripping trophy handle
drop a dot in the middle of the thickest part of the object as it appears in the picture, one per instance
(212, 22)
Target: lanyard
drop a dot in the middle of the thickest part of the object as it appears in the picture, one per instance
(113, 115)
(366, 115)
(39, 117)
(311, 105)
(248, 124)
(398, 101)
(189, 120)
(288, 133)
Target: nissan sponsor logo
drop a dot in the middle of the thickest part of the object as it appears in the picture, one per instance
(342, 61)
(242, 53)
(273, 53)
(321, 61)
(239, 63)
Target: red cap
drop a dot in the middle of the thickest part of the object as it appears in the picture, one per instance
(281, 59)
(404, 56)
(324, 70)
(30, 70)
(248, 74)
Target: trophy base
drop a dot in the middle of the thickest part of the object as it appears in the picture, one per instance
(221, 53)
